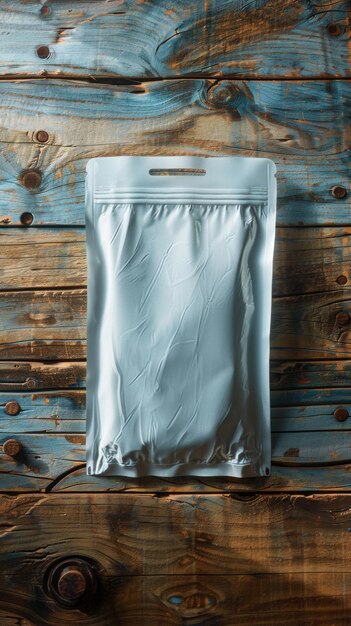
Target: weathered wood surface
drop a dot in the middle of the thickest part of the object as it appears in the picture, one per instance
(307, 381)
(303, 599)
(224, 559)
(47, 459)
(51, 324)
(303, 127)
(63, 411)
(306, 260)
(279, 38)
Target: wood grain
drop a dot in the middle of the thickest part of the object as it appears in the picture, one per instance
(292, 599)
(279, 38)
(274, 550)
(307, 380)
(51, 325)
(64, 411)
(306, 260)
(282, 120)
(46, 458)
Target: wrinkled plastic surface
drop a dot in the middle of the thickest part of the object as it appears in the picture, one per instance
(178, 316)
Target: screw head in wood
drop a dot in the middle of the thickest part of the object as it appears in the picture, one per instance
(72, 582)
(341, 414)
(45, 10)
(43, 52)
(42, 136)
(342, 318)
(338, 191)
(26, 218)
(12, 407)
(341, 280)
(30, 179)
(12, 447)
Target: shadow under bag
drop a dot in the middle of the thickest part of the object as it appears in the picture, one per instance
(179, 254)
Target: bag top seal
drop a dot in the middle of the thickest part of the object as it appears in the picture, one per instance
(137, 178)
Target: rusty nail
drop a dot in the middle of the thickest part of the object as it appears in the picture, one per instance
(12, 447)
(341, 280)
(45, 10)
(335, 29)
(26, 218)
(342, 318)
(71, 584)
(31, 383)
(338, 191)
(12, 407)
(42, 136)
(341, 414)
(31, 179)
(43, 52)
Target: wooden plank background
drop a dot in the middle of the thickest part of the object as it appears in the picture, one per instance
(265, 78)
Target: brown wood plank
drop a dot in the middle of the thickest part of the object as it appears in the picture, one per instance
(51, 325)
(34, 375)
(282, 120)
(312, 377)
(221, 600)
(146, 38)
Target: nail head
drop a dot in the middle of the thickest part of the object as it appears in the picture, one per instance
(31, 179)
(341, 280)
(12, 447)
(12, 407)
(338, 191)
(42, 136)
(45, 10)
(341, 414)
(26, 218)
(43, 52)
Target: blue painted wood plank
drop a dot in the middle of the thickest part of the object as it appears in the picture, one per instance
(46, 457)
(284, 38)
(303, 127)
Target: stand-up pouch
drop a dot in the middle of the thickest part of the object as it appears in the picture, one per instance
(179, 254)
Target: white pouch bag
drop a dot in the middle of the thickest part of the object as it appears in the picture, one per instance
(179, 255)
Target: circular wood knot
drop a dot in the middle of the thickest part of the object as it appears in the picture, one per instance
(12, 407)
(42, 136)
(341, 414)
(72, 582)
(338, 191)
(30, 179)
(43, 52)
(335, 29)
(222, 93)
(342, 319)
(12, 447)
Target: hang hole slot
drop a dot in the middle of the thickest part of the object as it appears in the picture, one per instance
(185, 171)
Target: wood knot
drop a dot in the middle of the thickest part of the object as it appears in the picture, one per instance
(222, 93)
